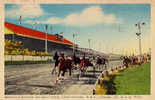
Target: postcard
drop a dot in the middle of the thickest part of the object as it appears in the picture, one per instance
(77, 49)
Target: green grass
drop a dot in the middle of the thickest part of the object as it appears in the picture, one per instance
(134, 81)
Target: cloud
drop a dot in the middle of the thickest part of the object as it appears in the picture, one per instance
(90, 16)
(26, 11)
(29, 21)
(53, 20)
(32, 22)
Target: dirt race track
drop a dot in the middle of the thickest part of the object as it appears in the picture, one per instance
(38, 80)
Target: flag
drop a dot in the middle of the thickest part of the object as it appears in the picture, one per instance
(20, 19)
(46, 27)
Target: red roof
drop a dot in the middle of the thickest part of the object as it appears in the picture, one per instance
(20, 30)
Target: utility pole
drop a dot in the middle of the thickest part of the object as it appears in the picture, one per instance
(46, 38)
(46, 44)
(74, 43)
(150, 51)
(13, 37)
(112, 50)
(138, 25)
(89, 44)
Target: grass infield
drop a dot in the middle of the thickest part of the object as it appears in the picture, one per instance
(134, 81)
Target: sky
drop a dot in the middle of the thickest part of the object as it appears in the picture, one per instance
(110, 27)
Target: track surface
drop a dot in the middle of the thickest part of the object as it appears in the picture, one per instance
(38, 80)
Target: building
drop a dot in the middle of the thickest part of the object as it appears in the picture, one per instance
(35, 40)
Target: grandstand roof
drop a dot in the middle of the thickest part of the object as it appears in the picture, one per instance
(27, 32)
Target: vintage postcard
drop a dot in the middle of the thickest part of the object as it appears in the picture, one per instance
(77, 50)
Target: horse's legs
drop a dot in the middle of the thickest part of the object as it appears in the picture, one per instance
(58, 76)
(94, 69)
(56, 70)
(63, 73)
(53, 70)
(59, 73)
(79, 72)
(99, 67)
(105, 67)
(70, 71)
(73, 68)
(84, 69)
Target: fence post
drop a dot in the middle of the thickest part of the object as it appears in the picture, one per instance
(23, 57)
(11, 59)
(41, 59)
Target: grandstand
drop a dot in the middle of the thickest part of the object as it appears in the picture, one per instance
(35, 40)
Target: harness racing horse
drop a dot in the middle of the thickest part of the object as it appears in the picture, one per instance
(67, 64)
(70, 64)
(105, 62)
(63, 66)
(77, 62)
(84, 65)
(101, 62)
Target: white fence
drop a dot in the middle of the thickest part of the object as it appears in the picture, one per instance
(27, 58)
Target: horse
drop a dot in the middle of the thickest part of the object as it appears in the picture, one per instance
(105, 62)
(80, 65)
(64, 65)
(68, 64)
(77, 62)
(84, 65)
(101, 62)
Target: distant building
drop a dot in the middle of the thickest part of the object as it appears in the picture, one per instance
(35, 40)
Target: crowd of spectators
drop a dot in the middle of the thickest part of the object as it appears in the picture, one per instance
(136, 60)
(17, 48)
